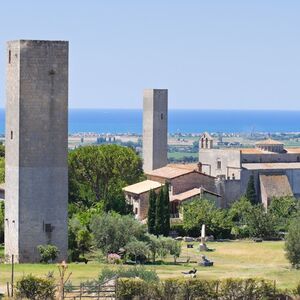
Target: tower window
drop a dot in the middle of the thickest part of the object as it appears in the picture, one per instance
(9, 56)
(219, 164)
(48, 228)
(11, 134)
(136, 211)
(161, 116)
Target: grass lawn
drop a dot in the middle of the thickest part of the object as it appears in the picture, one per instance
(232, 259)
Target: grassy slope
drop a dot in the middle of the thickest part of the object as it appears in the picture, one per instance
(232, 259)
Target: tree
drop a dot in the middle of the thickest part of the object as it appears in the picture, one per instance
(283, 209)
(160, 213)
(152, 212)
(292, 244)
(166, 218)
(98, 173)
(251, 193)
(174, 248)
(138, 249)
(112, 231)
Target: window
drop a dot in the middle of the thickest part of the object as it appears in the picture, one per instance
(161, 116)
(9, 56)
(219, 164)
(136, 211)
(48, 228)
(11, 134)
(298, 158)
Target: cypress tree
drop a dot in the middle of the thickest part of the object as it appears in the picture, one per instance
(152, 212)
(159, 216)
(166, 227)
(251, 193)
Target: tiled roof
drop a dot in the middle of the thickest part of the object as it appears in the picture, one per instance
(269, 142)
(275, 185)
(169, 172)
(142, 187)
(185, 195)
(271, 166)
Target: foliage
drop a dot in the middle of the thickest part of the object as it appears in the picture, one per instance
(174, 248)
(202, 211)
(283, 209)
(196, 289)
(250, 192)
(292, 244)
(48, 253)
(1, 222)
(260, 223)
(138, 250)
(2, 169)
(160, 213)
(98, 174)
(152, 212)
(112, 231)
(2, 150)
(179, 229)
(166, 211)
(34, 288)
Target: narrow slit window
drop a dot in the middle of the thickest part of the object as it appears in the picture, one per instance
(161, 116)
(11, 134)
(9, 56)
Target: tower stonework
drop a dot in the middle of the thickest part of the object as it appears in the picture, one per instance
(36, 146)
(155, 129)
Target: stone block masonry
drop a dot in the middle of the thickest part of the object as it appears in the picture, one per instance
(36, 148)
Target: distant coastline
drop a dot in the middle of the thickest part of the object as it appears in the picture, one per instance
(183, 121)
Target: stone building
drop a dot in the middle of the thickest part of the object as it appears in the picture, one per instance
(36, 187)
(276, 170)
(185, 182)
(155, 129)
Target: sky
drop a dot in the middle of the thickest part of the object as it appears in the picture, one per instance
(209, 54)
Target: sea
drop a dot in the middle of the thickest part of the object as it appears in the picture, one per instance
(181, 121)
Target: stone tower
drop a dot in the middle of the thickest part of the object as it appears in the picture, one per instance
(155, 129)
(36, 145)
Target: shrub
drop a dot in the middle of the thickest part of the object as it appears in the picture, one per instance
(48, 253)
(34, 288)
(292, 243)
(199, 289)
(179, 229)
(114, 258)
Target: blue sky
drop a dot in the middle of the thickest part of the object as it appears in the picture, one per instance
(209, 54)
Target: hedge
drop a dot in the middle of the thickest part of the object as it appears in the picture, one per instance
(198, 289)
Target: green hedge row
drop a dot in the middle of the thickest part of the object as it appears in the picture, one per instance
(196, 289)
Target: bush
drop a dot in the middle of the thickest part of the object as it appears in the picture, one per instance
(179, 229)
(48, 253)
(196, 289)
(34, 288)
(292, 243)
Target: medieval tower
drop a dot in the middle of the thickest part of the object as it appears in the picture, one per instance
(155, 129)
(36, 188)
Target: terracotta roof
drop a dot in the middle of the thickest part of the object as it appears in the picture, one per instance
(184, 166)
(269, 142)
(190, 194)
(293, 150)
(142, 187)
(169, 172)
(271, 166)
(275, 185)
(185, 195)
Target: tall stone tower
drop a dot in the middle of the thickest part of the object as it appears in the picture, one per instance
(36, 145)
(155, 129)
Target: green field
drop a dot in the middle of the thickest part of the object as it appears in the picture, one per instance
(180, 155)
(232, 259)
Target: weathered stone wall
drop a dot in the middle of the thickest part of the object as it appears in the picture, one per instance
(155, 129)
(230, 161)
(192, 180)
(37, 114)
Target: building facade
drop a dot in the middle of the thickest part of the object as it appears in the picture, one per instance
(36, 188)
(275, 168)
(155, 129)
